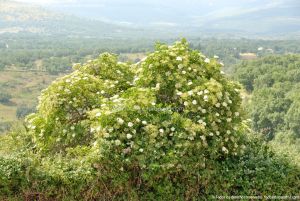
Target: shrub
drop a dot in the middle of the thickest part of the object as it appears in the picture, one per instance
(5, 97)
(167, 128)
(24, 110)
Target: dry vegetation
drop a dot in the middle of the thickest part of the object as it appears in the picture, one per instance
(24, 87)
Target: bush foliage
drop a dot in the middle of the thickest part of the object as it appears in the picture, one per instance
(167, 128)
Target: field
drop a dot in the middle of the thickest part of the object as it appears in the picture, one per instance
(24, 88)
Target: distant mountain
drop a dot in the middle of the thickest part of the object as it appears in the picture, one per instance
(273, 19)
(194, 17)
(16, 17)
(154, 19)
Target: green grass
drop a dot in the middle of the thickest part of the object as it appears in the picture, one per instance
(7, 113)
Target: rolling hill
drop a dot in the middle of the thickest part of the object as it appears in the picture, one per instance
(16, 17)
(256, 19)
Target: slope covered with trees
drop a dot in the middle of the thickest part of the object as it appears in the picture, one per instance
(167, 128)
(274, 84)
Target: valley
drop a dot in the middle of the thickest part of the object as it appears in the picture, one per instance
(149, 100)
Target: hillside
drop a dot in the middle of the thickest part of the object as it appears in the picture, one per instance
(252, 20)
(28, 19)
(259, 18)
(274, 85)
(230, 18)
(16, 17)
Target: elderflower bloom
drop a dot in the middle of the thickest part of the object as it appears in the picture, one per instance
(224, 104)
(225, 150)
(120, 121)
(205, 98)
(168, 73)
(200, 121)
(179, 93)
(178, 58)
(98, 128)
(117, 142)
(177, 85)
(200, 93)
(128, 136)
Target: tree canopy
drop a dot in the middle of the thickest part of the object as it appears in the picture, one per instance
(274, 85)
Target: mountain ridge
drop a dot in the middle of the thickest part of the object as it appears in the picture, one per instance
(18, 17)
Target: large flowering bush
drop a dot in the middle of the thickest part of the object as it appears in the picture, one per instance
(174, 103)
(166, 128)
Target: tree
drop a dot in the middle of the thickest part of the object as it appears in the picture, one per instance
(5, 97)
(23, 111)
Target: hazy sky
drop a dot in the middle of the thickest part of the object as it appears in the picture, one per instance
(168, 12)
